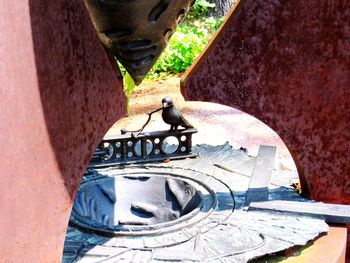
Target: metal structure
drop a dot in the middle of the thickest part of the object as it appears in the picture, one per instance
(144, 147)
(136, 202)
(136, 32)
(287, 64)
(59, 97)
(186, 210)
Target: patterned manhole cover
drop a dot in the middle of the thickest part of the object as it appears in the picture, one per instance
(182, 211)
(138, 202)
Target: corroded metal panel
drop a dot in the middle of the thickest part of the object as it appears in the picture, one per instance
(59, 95)
(288, 64)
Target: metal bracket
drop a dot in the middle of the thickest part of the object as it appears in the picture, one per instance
(259, 183)
(332, 213)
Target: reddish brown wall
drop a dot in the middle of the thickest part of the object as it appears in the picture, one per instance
(59, 95)
(287, 62)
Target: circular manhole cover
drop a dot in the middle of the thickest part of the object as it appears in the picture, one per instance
(179, 211)
(137, 202)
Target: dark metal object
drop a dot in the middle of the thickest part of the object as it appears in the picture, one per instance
(136, 32)
(173, 116)
(145, 147)
(210, 231)
(133, 203)
(150, 200)
(71, 250)
(338, 214)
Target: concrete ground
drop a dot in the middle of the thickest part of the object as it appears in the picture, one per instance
(216, 123)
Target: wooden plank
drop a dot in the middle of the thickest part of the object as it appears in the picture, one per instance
(339, 214)
(259, 183)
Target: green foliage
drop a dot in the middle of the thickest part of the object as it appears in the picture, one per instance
(129, 84)
(200, 9)
(184, 47)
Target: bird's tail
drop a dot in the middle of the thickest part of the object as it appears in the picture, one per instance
(188, 126)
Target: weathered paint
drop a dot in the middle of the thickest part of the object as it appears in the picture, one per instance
(59, 95)
(287, 62)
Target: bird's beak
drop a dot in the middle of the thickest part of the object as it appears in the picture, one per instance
(165, 105)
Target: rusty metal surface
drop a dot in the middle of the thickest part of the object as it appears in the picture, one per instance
(288, 64)
(59, 95)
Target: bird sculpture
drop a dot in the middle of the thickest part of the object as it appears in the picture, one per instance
(173, 116)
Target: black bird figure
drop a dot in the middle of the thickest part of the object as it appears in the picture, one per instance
(173, 116)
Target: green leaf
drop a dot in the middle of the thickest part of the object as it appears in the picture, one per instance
(129, 84)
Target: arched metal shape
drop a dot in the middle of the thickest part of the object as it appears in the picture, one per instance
(288, 64)
(59, 95)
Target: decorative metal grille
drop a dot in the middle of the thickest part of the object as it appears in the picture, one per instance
(149, 146)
